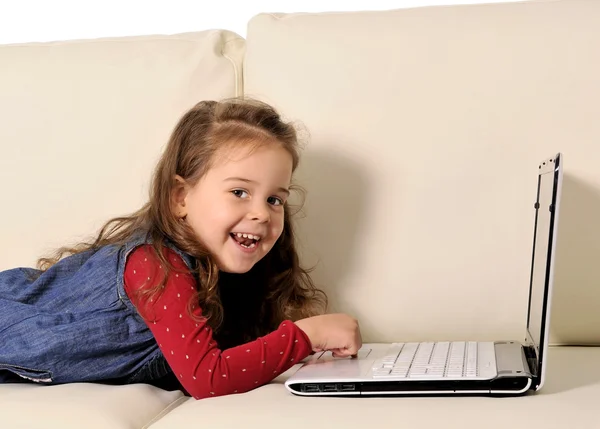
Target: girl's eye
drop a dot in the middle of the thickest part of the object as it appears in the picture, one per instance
(275, 201)
(239, 193)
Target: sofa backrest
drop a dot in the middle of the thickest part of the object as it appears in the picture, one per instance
(426, 129)
(82, 124)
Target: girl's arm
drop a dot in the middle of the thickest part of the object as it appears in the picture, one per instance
(195, 358)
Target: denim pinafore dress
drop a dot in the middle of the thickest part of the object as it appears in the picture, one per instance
(75, 323)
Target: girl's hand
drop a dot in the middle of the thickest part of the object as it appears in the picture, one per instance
(338, 333)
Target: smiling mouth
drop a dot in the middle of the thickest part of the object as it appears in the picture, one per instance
(248, 241)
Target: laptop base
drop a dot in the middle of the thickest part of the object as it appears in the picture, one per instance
(501, 386)
(512, 377)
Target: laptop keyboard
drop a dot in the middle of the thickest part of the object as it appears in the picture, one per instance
(428, 360)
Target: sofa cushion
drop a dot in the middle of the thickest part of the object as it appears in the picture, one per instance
(573, 384)
(82, 124)
(426, 129)
(84, 405)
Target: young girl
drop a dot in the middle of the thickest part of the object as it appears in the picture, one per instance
(199, 290)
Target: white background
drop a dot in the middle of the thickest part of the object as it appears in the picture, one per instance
(49, 20)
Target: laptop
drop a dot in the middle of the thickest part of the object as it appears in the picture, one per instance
(494, 368)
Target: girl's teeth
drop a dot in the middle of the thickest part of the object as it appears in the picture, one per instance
(254, 237)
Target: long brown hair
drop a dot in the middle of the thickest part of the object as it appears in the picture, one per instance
(279, 287)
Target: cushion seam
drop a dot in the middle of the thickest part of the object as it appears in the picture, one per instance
(165, 411)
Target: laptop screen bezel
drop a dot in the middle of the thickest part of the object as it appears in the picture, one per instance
(537, 356)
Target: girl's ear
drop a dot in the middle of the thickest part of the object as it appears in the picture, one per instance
(178, 195)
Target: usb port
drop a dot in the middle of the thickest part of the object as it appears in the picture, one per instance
(329, 388)
(311, 388)
(347, 387)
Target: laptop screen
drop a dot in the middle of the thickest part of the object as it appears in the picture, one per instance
(540, 272)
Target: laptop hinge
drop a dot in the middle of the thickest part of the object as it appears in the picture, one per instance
(531, 359)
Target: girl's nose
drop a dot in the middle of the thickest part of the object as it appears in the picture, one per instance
(260, 213)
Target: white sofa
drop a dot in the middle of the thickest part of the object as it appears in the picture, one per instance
(424, 130)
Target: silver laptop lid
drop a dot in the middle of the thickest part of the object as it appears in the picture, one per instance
(542, 265)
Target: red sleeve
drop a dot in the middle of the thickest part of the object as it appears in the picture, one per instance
(202, 368)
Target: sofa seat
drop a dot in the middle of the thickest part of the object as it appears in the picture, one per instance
(570, 395)
(84, 405)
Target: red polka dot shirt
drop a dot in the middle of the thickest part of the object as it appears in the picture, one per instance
(188, 346)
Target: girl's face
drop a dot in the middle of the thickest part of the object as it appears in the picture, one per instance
(236, 209)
